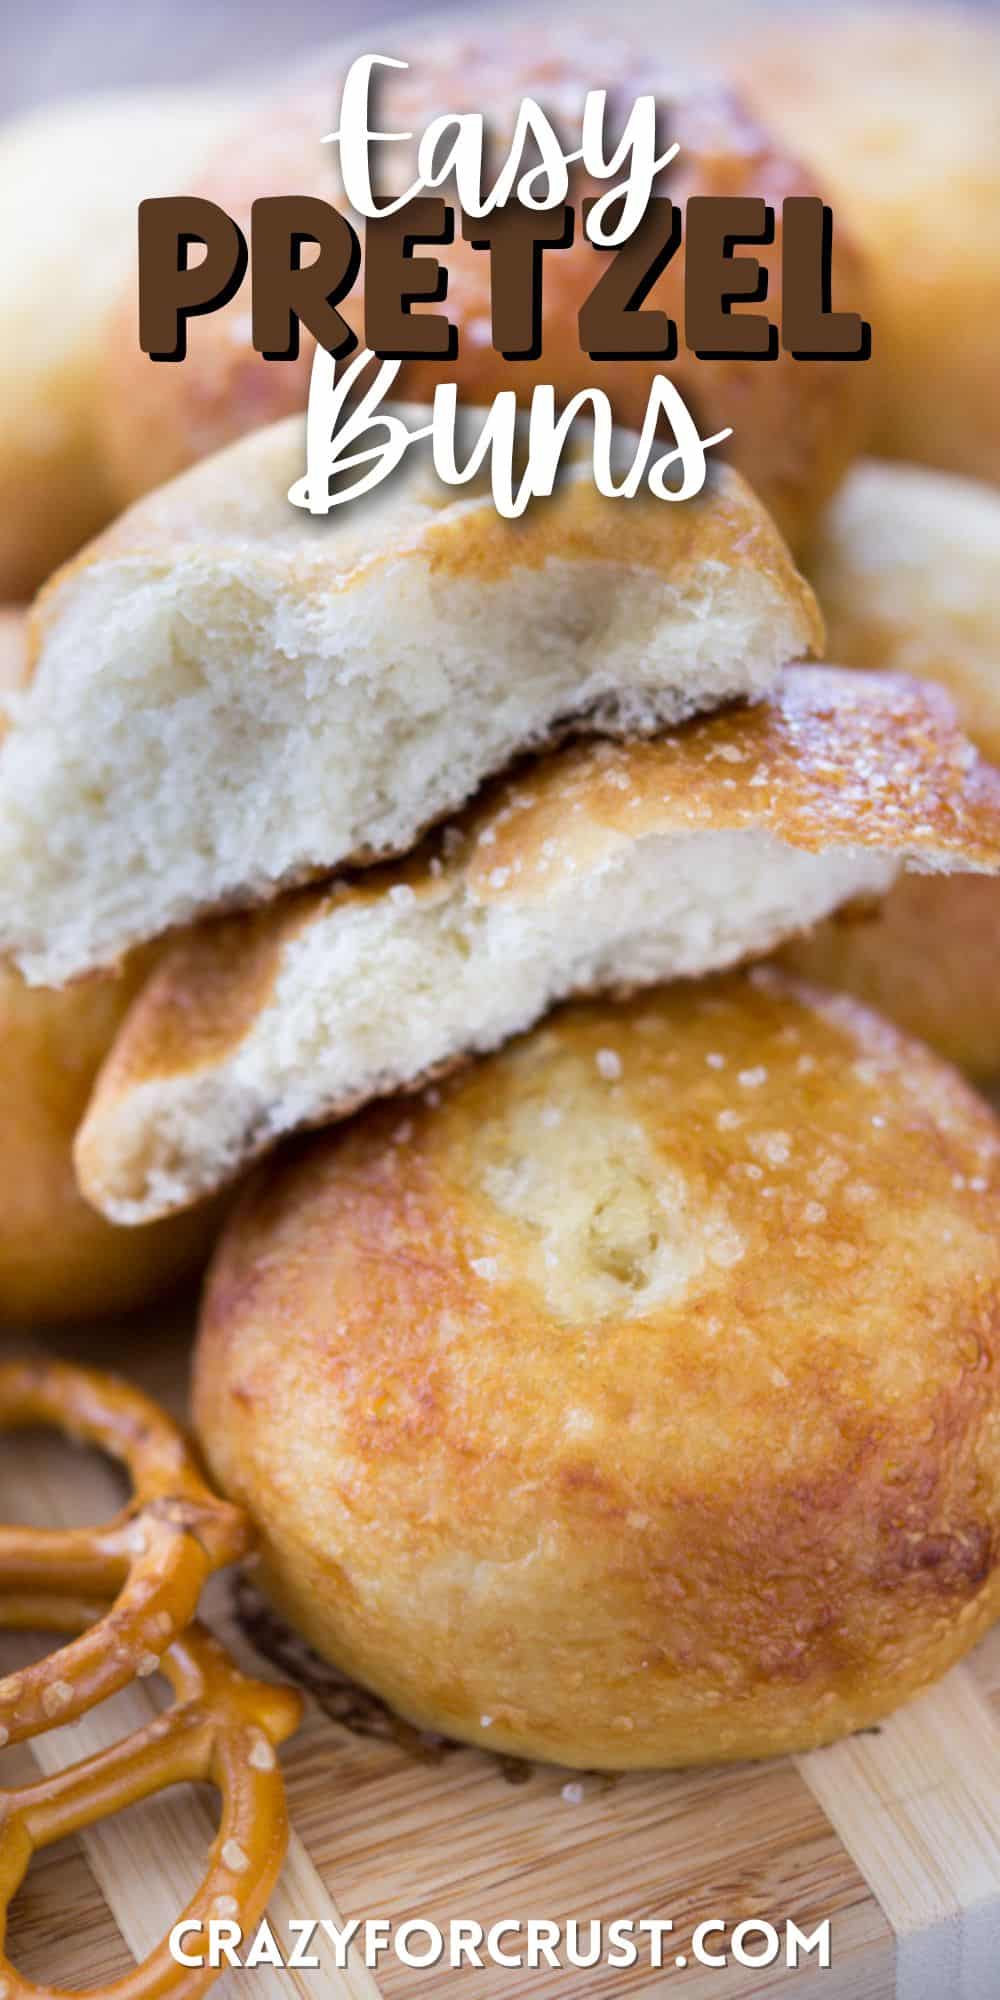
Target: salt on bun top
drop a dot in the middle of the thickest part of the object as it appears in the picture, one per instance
(631, 1397)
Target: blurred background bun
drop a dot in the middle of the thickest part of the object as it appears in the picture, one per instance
(907, 568)
(59, 1259)
(896, 111)
(795, 428)
(71, 178)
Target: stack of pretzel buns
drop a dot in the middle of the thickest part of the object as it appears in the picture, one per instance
(547, 968)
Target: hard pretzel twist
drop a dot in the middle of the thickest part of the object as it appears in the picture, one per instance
(222, 1729)
(152, 1560)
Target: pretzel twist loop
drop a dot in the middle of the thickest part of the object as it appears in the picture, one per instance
(142, 1574)
(222, 1729)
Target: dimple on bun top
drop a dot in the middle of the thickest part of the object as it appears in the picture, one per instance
(631, 1399)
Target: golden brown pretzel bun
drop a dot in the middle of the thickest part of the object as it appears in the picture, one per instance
(71, 177)
(632, 1399)
(796, 427)
(928, 956)
(907, 568)
(59, 1259)
(896, 110)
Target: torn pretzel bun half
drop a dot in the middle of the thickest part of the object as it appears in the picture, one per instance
(230, 695)
(600, 867)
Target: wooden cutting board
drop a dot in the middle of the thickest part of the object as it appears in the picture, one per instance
(894, 1836)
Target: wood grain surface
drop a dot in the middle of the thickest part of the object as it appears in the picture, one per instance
(894, 1836)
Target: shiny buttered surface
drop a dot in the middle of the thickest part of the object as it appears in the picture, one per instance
(629, 1400)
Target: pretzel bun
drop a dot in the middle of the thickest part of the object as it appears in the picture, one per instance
(897, 113)
(795, 428)
(632, 1398)
(71, 177)
(59, 1259)
(312, 692)
(906, 565)
(599, 867)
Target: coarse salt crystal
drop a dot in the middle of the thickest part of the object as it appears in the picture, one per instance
(484, 1267)
(57, 1697)
(609, 1065)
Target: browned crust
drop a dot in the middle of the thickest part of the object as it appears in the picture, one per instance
(782, 1513)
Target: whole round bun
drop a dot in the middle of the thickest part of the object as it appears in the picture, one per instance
(897, 113)
(71, 177)
(795, 428)
(632, 1398)
(59, 1259)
